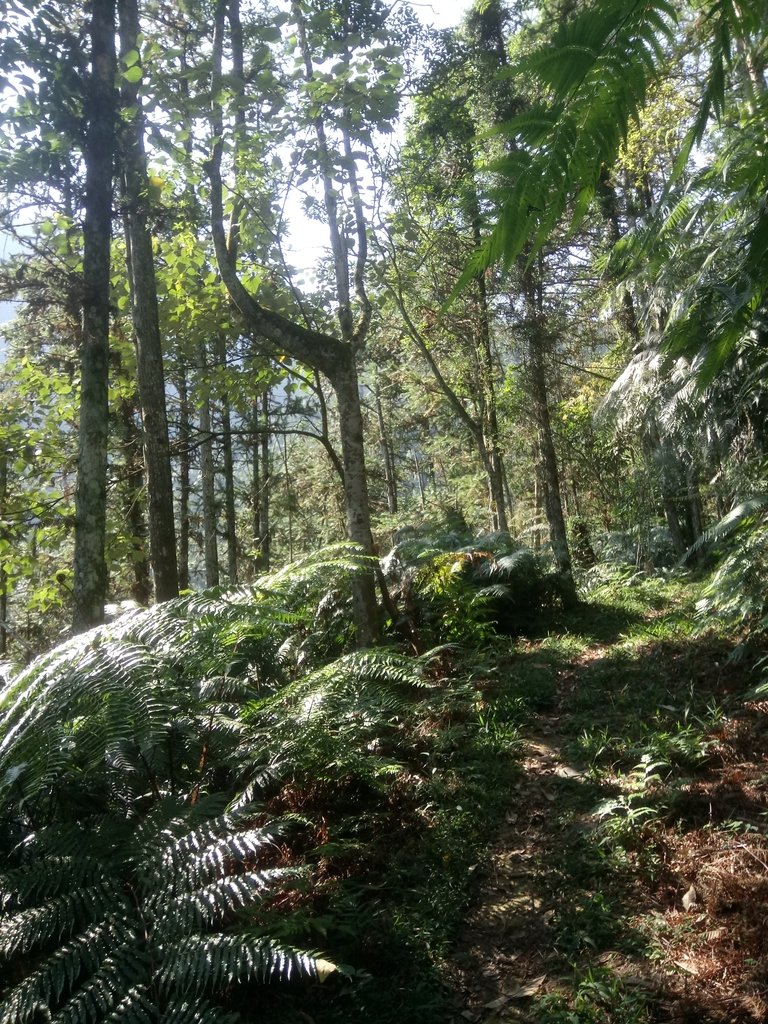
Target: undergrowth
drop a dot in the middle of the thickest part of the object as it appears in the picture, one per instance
(218, 810)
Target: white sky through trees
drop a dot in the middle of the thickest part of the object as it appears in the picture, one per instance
(307, 239)
(314, 236)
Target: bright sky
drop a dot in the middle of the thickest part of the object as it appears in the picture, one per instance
(442, 13)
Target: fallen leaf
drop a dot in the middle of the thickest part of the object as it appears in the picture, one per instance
(496, 1004)
(530, 988)
(686, 966)
(324, 969)
(689, 899)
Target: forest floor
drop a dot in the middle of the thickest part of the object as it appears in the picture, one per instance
(629, 881)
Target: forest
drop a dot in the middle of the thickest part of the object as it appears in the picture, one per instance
(383, 512)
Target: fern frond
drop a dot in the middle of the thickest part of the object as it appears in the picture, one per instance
(44, 880)
(102, 992)
(202, 963)
(58, 918)
(61, 972)
(596, 72)
(198, 1012)
(220, 901)
(135, 1008)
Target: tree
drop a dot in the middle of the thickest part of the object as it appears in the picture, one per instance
(342, 108)
(90, 576)
(141, 274)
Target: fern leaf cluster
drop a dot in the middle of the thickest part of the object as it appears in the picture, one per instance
(136, 863)
(168, 921)
(593, 77)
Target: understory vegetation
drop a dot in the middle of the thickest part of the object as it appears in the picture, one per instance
(383, 512)
(219, 810)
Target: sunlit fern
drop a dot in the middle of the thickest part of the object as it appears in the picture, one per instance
(138, 920)
(135, 858)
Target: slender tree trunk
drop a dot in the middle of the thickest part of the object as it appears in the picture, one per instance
(390, 478)
(146, 324)
(345, 385)
(90, 570)
(663, 457)
(133, 502)
(3, 537)
(491, 441)
(260, 483)
(208, 485)
(290, 498)
(185, 437)
(550, 476)
(230, 514)
(332, 356)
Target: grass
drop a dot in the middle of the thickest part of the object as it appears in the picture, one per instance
(408, 894)
(654, 711)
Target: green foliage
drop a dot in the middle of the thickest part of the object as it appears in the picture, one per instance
(600, 997)
(468, 593)
(138, 918)
(137, 861)
(736, 591)
(595, 73)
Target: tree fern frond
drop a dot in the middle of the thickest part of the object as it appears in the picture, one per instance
(135, 1008)
(45, 880)
(220, 901)
(126, 968)
(596, 73)
(64, 969)
(58, 917)
(201, 963)
(179, 1011)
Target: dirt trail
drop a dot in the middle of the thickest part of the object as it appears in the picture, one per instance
(548, 899)
(505, 948)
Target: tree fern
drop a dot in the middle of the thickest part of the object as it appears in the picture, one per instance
(136, 861)
(169, 918)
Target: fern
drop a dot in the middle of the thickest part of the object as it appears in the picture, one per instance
(128, 772)
(595, 73)
(165, 921)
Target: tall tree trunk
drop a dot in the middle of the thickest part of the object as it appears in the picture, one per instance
(549, 472)
(3, 537)
(491, 441)
(185, 439)
(260, 486)
(146, 324)
(390, 477)
(332, 356)
(357, 509)
(662, 455)
(133, 502)
(208, 484)
(90, 570)
(230, 515)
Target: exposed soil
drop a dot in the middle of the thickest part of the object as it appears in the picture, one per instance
(678, 924)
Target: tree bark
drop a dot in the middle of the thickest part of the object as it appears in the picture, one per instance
(334, 357)
(133, 501)
(345, 386)
(230, 515)
(90, 570)
(261, 483)
(549, 472)
(208, 484)
(146, 323)
(185, 435)
(3, 537)
(390, 476)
